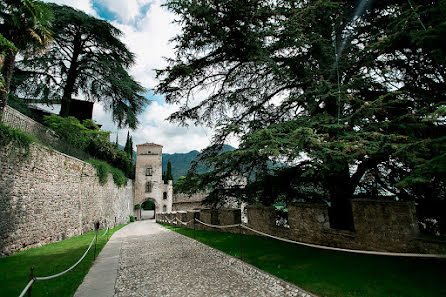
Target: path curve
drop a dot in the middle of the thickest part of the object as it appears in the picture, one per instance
(146, 259)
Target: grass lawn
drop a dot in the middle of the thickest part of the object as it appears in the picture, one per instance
(48, 260)
(329, 273)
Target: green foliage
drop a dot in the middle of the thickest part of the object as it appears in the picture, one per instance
(25, 29)
(270, 75)
(72, 131)
(168, 175)
(88, 137)
(87, 57)
(48, 260)
(19, 105)
(132, 219)
(148, 205)
(129, 146)
(103, 169)
(18, 139)
(137, 206)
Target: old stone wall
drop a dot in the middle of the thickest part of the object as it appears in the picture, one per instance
(48, 196)
(379, 225)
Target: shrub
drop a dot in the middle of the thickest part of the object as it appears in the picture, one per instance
(137, 206)
(132, 218)
(20, 140)
(88, 137)
(103, 169)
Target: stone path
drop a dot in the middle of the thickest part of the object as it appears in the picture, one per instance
(145, 259)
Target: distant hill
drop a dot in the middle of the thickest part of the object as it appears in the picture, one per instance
(181, 162)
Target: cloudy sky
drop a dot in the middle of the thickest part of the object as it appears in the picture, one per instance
(147, 29)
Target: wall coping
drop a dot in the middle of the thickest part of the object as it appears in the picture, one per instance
(308, 204)
(260, 206)
(365, 200)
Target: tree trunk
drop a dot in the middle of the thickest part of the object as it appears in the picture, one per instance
(341, 190)
(71, 78)
(7, 70)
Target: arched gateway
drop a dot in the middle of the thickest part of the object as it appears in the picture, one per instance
(149, 184)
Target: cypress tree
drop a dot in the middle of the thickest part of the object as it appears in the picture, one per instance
(169, 175)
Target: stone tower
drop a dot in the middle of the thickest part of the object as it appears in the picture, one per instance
(149, 184)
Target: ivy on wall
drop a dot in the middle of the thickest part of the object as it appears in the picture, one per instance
(19, 140)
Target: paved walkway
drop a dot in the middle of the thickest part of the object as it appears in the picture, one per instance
(145, 259)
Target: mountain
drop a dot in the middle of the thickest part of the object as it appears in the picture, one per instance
(181, 162)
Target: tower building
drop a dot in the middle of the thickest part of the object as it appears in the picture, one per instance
(149, 184)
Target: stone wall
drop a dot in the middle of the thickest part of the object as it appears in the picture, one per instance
(17, 120)
(186, 202)
(49, 196)
(379, 225)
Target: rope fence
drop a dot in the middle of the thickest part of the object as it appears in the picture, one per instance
(41, 278)
(413, 255)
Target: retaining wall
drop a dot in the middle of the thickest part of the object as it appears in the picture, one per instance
(379, 225)
(49, 196)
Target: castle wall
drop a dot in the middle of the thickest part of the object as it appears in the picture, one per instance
(379, 225)
(49, 196)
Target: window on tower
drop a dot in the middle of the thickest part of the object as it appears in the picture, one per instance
(148, 187)
(149, 171)
(164, 208)
(165, 195)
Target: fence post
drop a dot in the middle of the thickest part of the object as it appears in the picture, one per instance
(31, 276)
(96, 226)
(240, 241)
(194, 228)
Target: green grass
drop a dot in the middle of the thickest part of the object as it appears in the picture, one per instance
(48, 260)
(329, 273)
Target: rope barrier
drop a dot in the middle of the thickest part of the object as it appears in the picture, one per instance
(439, 256)
(184, 223)
(217, 226)
(413, 255)
(26, 288)
(58, 274)
(104, 232)
(63, 272)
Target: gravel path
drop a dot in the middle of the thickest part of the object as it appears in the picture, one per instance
(155, 261)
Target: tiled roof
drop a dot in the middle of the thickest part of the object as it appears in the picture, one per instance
(151, 144)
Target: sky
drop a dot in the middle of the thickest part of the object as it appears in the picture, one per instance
(147, 28)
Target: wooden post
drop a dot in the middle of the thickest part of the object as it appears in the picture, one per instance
(31, 276)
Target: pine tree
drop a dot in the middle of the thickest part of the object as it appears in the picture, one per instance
(305, 115)
(86, 58)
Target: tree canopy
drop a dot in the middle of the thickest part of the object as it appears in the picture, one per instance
(88, 58)
(330, 89)
(25, 28)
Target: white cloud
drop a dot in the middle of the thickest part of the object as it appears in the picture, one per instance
(154, 128)
(84, 5)
(149, 40)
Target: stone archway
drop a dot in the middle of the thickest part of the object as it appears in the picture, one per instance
(148, 209)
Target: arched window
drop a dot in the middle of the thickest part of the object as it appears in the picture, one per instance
(148, 187)
(149, 171)
(165, 195)
(164, 208)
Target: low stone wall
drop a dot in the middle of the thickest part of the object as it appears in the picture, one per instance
(49, 196)
(379, 225)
